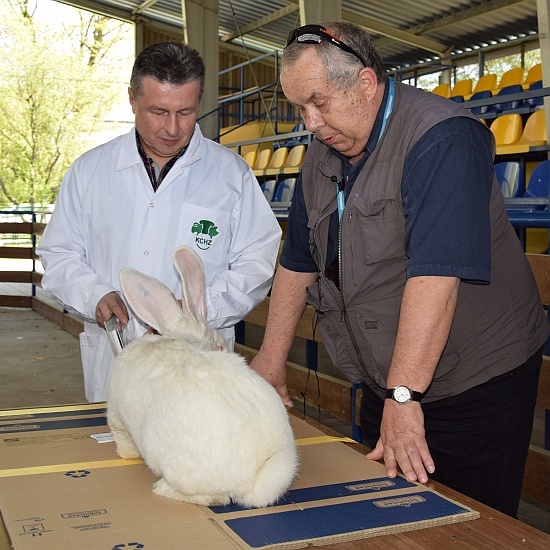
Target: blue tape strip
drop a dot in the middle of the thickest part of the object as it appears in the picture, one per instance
(324, 492)
(339, 519)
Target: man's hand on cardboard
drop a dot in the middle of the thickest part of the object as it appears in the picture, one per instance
(403, 443)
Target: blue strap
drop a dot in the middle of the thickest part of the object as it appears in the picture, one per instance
(387, 112)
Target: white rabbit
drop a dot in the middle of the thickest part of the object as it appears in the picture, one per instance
(210, 427)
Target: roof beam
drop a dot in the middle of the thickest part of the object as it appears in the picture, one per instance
(259, 23)
(94, 7)
(397, 34)
(143, 6)
(454, 18)
(392, 32)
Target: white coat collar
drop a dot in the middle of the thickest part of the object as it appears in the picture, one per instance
(129, 155)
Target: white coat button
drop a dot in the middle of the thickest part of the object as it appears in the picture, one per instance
(152, 205)
(146, 253)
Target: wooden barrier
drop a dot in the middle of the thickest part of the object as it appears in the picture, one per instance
(32, 229)
(536, 481)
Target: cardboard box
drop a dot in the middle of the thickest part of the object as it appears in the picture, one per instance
(61, 488)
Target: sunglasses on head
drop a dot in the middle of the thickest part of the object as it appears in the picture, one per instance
(315, 34)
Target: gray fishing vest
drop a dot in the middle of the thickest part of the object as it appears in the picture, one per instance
(496, 327)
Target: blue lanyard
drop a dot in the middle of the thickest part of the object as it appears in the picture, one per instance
(387, 112)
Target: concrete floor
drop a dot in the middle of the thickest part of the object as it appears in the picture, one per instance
(39, 363)
(40, 366)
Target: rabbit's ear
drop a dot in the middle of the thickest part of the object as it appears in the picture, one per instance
(191, 271)
(151, 301)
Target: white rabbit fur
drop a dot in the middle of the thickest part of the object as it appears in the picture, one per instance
(211, 428)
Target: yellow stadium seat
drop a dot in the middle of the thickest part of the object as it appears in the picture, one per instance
(534, 135)
(262, 161)
(533, 75)
(277, 162)
(443, 90)
(250, 157)
(513, 76)
(486, 82)
(462, 87)
(294, 160)
(506, 129)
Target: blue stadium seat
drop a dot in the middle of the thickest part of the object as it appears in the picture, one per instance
(509, 105)
(291, 142)
(510, 178)
(537, 188)
(535, 101)
(539, 182)
(268, 189)
(285, 191)
(280, 204)
(484, 109)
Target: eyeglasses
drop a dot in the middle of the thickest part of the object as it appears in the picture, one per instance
(314, 34)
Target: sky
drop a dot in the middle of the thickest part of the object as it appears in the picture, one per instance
(51, 11)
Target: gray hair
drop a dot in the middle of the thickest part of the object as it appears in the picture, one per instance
(342, 67)
(172, 63)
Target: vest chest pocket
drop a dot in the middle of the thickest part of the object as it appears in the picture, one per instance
(376, 232)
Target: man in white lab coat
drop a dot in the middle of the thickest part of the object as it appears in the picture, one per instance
(133, 200)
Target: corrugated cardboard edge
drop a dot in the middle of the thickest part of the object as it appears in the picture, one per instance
(359, 535)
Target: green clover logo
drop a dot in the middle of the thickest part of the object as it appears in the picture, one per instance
(206, 231)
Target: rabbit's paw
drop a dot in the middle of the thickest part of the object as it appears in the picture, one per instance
(125, 447)
(128, 454)
(162, 488)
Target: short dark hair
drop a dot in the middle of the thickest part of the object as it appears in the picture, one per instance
(342, 67)
(168, 62)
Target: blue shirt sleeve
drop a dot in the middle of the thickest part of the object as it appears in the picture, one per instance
(446, 190)
(296, 254)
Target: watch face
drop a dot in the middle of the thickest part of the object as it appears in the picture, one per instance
(402, 394)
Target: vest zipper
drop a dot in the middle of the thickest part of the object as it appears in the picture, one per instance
(343, 311)
(337, 295)
(321, 262)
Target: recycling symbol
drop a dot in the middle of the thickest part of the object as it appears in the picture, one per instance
(78, 473)
(129, 545)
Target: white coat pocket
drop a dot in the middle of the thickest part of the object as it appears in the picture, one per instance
(207, 232)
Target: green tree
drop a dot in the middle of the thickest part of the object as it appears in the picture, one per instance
(57, 84)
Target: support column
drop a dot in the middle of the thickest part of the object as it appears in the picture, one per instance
(317, 11)
(543, 11)
(200, 30)
(139, 40)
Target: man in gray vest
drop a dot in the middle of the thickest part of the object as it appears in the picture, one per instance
(399, 238)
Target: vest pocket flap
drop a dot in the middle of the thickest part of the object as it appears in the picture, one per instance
(379, 317)
(377, 322)
(375, 208)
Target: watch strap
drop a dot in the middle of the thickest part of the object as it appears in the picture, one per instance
(415, 395)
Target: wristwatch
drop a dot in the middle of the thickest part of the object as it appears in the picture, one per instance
(402, 394)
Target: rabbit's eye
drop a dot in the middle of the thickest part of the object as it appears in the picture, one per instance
(220, 348)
